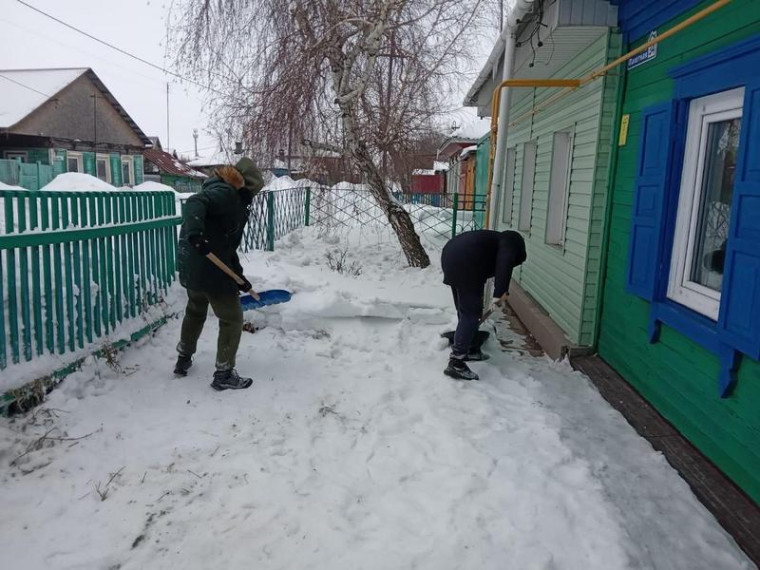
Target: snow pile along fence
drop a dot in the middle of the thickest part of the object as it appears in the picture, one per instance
(76, 266)
(275, 213)
(435, 214)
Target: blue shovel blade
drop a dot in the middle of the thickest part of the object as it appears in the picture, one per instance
(271, 297)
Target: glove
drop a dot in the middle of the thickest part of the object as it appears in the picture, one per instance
(499, 301)
(200, 244)
(245, 286)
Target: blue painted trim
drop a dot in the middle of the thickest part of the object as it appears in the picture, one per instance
(638, 18)
(703, 332)
(725, 69)
(717, 57)
(730, 67)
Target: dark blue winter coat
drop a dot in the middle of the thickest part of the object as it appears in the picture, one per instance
(471, 258)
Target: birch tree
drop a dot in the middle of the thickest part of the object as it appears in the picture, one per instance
(360, 78)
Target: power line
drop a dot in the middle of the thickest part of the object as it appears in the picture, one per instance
(55, 40)
(122, 51)
(24, 86)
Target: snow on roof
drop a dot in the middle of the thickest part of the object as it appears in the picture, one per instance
(423, 172)
(23, 90)
(438, 165)
(472, 130)
(217, 158)
(469, 150)
(78, 182)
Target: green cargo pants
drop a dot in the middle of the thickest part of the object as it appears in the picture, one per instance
(230, 314)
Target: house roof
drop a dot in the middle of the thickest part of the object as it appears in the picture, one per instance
(22, 91)
(167, 163)
(218, 158)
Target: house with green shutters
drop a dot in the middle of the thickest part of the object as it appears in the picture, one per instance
(65, 120)
(680, 318)
(551, 169)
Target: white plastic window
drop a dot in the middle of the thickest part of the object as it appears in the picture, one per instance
(103, 167)
(704, 206)
(74, 162)
(127, 171)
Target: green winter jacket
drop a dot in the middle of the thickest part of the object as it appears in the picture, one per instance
(219, 212)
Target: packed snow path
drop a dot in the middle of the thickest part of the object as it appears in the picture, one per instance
(350, 451)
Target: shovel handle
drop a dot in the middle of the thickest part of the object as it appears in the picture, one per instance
(235, 277)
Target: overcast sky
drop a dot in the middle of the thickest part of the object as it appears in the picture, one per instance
(30, 40)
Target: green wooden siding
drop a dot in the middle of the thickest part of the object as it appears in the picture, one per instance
(181, 183)
(676, 375)
(564, 280)
(482, 164)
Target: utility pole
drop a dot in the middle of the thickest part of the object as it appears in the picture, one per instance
(167, 116)
(195, 136)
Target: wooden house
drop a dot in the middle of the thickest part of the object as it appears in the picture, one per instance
(552, 168)
(68, 121)
(680, 314)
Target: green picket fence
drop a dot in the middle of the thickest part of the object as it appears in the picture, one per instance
(74, 265)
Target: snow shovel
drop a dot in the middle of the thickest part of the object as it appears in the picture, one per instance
(480, 337)
(252, 299)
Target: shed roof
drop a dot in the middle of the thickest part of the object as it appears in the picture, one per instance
(167, 163)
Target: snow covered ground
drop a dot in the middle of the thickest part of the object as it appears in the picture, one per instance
(350, 451)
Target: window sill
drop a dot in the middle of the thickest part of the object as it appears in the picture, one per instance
(702, 331)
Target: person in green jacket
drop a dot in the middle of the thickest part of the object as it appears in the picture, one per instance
(213, 222)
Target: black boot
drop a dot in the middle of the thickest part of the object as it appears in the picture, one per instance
(183, 365)
(458, 370)
(476, 355)
(230, 380)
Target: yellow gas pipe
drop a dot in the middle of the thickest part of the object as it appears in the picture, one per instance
(571, 85)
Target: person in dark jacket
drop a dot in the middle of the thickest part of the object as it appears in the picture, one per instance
(468, 261)
(213, 222)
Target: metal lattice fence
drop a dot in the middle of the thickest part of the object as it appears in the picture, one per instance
(439, 215)
(276, 213)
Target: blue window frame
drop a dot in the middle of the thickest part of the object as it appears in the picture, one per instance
(735, 328)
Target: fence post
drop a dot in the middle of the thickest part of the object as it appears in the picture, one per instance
(307, 207)
(270, 221)
(39, 175)
(454, 215)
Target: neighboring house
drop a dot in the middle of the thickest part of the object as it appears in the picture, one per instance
(554, 179)
(208, 163)
(681, 305)
(68, 121)
(450, 151)
(160, 166)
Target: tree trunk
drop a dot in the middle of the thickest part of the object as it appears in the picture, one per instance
(398, 217)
